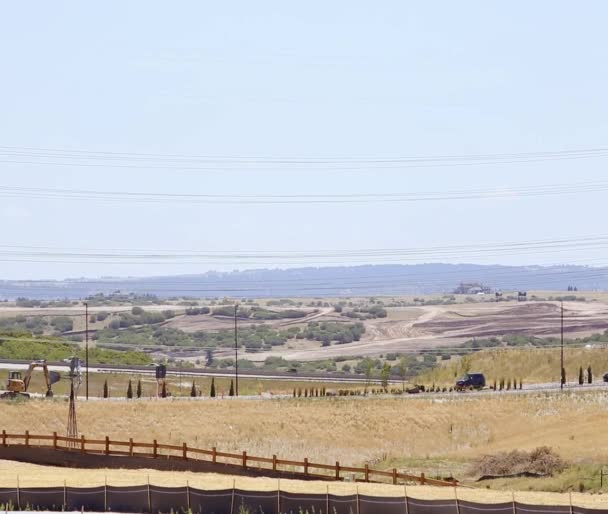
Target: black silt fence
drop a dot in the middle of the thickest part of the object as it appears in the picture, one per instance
(387, 505)
(155, 499)
(211, 502)
(92, 499)
(475, 508)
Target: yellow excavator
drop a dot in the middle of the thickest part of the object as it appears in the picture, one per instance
(17, 385)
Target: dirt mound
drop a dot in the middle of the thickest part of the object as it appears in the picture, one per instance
(530, 319)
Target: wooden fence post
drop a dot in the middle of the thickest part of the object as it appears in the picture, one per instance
(306, 465)
(185, 451)
(394, 476)
(131, 447)
(155, 449)
(337, 471)
(367, 472)
(54, 440)
(107, 445)
(214, 455)
(274, 463)
(4, 438)
(82, 441)
(422, 479)
(27, 438)
(244, 460)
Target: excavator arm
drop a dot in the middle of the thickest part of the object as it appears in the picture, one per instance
(28, 376)
(47, 377)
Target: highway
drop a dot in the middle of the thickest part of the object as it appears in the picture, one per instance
(194, 372)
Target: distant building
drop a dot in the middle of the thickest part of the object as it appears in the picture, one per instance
(472, 288)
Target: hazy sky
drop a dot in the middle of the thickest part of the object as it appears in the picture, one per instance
(306, 80)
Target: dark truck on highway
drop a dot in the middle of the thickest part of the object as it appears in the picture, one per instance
(471, 381)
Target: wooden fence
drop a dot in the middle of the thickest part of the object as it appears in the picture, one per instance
(155, 450)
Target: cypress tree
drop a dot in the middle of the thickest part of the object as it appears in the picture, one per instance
(193, 390)
(138, 391)
(294, 392)
(231, 392)
(589, 375)
(581, 378)
(163, 392)
(130, 391)
(106, 393)
(306, 393)
(212, 391)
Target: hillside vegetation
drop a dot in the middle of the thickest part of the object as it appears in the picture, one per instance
(24, 346)
(529, 365)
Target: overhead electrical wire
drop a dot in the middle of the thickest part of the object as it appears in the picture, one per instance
(456, 159)
(437, 252)
(291, 199)
(87, 158)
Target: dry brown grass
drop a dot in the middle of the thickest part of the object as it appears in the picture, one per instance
(532, 366)
(30, 475)
(352, 431)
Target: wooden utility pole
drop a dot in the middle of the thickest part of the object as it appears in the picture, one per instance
(86, 350)
(561, 371)
(236, 351)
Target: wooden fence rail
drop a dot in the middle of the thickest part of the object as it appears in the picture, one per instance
(305, 468)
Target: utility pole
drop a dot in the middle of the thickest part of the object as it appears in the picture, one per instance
(561, 371)
(86, 349)
(236, 351)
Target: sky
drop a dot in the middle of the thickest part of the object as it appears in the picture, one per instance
(252, 99)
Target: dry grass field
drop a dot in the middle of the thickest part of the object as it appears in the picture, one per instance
(30, 475)
(532, 366)
(384, 432)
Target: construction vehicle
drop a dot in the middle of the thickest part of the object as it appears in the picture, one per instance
(17, 384)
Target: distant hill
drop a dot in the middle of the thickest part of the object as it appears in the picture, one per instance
(324, 281)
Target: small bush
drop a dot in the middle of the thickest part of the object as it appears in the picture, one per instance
(542, 460)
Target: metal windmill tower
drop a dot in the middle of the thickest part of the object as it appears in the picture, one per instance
(75, 380)
(72, 423)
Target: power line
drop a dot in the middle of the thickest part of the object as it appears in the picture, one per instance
(25, 152)
(290, 199)
(535, 246)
